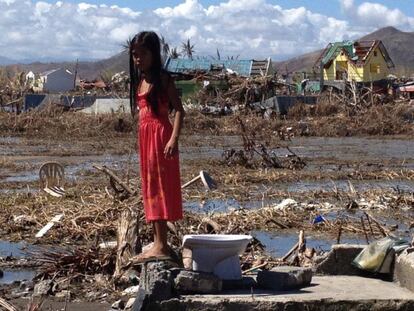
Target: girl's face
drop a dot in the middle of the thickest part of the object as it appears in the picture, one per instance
(142, 57)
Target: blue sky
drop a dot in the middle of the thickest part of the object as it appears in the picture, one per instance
(327, 7)
(279, 29)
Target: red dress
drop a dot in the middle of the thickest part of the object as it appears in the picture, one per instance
(160, 177)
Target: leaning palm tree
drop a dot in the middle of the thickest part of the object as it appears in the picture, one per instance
(187, 49)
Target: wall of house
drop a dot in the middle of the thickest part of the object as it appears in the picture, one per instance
(353, 72)
(356, 73)
(329, 73)
(59, 81)
(375, 67)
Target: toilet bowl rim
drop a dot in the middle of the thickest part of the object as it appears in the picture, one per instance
(227, 241)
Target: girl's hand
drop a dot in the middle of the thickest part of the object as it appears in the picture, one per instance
(171, 148)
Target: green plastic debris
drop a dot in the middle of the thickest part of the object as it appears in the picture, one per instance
(379, 255)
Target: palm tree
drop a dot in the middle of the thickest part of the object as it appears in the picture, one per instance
(165, 48)
(174, 54)
(187, 49)
(127, 44)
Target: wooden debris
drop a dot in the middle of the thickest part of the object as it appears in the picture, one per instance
(6, 305)
(49, 225)
(115, 178)
(128, 243)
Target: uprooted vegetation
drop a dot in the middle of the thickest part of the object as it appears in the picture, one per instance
(92, 217)
(323, 119)
(335, 119)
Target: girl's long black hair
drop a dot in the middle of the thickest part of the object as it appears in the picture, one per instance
(150, 41)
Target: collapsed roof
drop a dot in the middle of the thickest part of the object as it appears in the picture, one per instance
(358, 52)
(246, 68)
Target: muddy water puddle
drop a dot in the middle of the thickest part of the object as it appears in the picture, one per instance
(349, 148)
(74, 166)
(278, 244)
(344, 185)
(15, 250)
(11, 276)
(321, 154)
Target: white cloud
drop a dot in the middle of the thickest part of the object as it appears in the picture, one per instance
(249, 28)
(376, 15)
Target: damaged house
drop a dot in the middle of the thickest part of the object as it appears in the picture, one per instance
(213, 72)
(241, 67)
(359, 61)
(58, 80)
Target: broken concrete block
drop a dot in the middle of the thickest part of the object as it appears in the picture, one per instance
(157, 280)
(284, 278)
(42, 288)
(339, 260)
(156, 285)
(404, 269)
(194, 282)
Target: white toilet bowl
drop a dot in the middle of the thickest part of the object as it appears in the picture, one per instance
(217, 253)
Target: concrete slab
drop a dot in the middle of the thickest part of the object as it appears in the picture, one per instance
(404, 269)
(339, 260)
(325, 293)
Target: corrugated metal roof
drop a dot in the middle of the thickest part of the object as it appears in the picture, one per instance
(335, 48)
(241, 67)
(46, 73)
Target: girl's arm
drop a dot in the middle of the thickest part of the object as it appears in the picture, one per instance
(172, 145)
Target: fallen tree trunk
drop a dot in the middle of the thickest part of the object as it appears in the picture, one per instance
(128, 243)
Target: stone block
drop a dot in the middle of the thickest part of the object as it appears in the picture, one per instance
(194, 282)
(284, 278)
(404, 269)
(156, 285)
(339, 260)
(156, 279)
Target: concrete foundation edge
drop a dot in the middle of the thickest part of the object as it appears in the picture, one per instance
(315, 305)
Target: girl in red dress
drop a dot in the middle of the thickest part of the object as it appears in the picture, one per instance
(153, 92)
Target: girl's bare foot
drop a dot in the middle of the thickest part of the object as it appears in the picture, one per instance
(154, 253)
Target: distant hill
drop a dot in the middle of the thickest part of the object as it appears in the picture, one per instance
(399, 44)
(86, 69)
(6, 61)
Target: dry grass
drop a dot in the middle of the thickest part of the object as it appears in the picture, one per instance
(54, 122)
(323, 119)
(327, 119)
